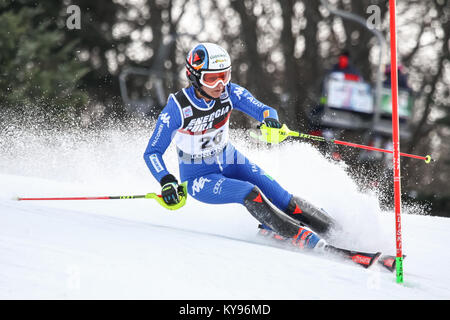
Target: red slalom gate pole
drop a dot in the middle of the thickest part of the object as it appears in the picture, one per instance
(396, 142)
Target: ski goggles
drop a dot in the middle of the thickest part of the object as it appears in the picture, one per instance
(211, 79)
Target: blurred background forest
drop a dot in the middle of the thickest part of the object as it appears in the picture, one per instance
(122, 58)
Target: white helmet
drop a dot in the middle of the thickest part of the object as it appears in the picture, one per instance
(208, 64)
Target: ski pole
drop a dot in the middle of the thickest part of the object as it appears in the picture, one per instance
(155, 196)
(273, 135)
(427, 158)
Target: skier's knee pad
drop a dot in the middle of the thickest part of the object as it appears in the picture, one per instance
(309, 215)
(266, 213)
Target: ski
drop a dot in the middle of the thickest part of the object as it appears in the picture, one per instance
(388, 262)
(364, 259)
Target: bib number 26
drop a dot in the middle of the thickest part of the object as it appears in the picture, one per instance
(211, 141)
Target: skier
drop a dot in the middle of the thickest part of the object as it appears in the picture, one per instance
(196, 118)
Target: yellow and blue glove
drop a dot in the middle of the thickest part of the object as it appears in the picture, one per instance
(272, 131)
(171, 191)
(271, 123)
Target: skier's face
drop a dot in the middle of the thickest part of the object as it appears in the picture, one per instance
(214, 92)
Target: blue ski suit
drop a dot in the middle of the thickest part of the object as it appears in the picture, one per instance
(215, 171)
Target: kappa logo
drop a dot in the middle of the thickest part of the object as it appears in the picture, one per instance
(165, 118)
(238, 91)
(198, 184)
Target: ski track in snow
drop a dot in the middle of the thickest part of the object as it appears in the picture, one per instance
(134, 249)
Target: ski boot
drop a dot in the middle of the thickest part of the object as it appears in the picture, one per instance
(305, 239)
(281, 223)
(310, 216)
(269, 215)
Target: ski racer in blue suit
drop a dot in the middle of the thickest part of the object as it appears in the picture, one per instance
(197, 120)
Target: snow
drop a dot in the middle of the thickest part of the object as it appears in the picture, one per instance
(135, 249)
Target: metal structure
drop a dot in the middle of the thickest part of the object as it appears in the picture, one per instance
(156, 77)
(374, 126)
(381, 43)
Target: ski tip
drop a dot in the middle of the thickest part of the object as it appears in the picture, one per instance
(388, 262)
(363, 259)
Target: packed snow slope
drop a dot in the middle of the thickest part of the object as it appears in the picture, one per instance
(135, 249)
